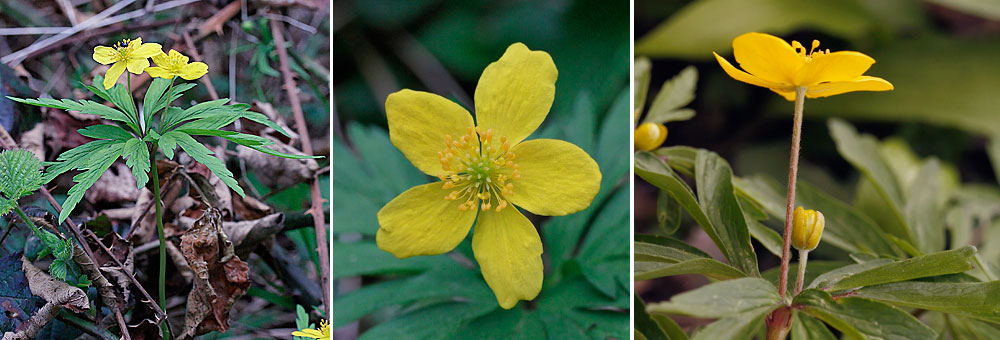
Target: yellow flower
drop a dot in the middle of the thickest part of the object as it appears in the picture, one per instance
(322, 333)
(649, 136)
(807, 228)
(127, 54)
(176, 64)
(484, 167)
(774, 64)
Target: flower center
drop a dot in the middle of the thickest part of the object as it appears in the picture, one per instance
(480, 170)
(801, 50)
(124, 48)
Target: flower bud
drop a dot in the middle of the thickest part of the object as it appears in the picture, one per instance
(807, 228)
(649, 136)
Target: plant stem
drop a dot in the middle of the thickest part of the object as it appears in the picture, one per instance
(24, 217)
(800, 279)
(170, 95)
(793, 172)
(161, 282)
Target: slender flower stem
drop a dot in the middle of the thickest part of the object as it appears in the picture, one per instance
(138, 118)
(793, 173)
(155, 178)
(800, 279)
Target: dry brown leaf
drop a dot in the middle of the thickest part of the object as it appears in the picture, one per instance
(122, 250)
(34, 140)
(220, 276)
(277, 172)
(249, 208)
(114, 186)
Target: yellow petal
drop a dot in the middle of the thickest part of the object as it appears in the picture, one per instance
(159, 72)
(146, 50)
(418, 123)
(789, 95)
(182, 59)
(309, 333)
(515, 93)
(421, 222)
(161, 59)
(748, 78)
(105, 55)
(863, 83)
(111, 78)
(557, 177)
(509, 253)
(767, 57)
(833, 67)
(193, 71)
(137, 66)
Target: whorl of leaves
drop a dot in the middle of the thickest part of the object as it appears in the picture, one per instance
(133, 138)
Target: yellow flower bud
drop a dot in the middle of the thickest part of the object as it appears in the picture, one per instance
(649, 136)
(807, 228)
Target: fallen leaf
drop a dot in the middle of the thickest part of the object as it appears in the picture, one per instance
(278, 172)
(114, 186)
(220, 276)
(122, 250)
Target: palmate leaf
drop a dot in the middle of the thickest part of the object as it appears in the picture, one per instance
(204, 155)
(103, 131)
(250, 141)
(95, 163)
(77, 158)
(156, 97)
(859, 318)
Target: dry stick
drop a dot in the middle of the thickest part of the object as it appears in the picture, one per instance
(300, 125)
(793, 172)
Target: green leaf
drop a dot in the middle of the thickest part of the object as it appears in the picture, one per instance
(674, 95)
(204, 155)
(725, 225)
(717, 198)
(280, 154)
(659, 256)
(84, 106)
(696, 30)
(167, 143)
(58, 269)
(941, 263)
(722, 299)
(20, 174)
(975, 300)
(805, 327)
(829, 278)
(95, 163)
(668, 213)
(104, 131)
(924, 209)
(655, 327)
(136, 155)
(863, 153)
(171, 118)
(859, 318)
(741, 326)
(640, 82)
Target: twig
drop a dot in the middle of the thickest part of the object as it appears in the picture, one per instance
(300, 125)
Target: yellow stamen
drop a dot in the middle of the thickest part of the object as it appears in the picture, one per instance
(479, 171)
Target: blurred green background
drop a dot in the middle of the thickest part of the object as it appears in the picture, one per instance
(942, 56)
(442, 47)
